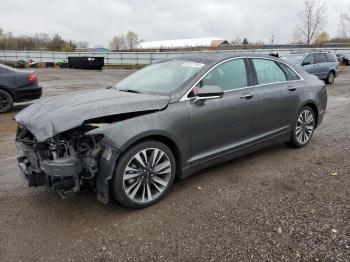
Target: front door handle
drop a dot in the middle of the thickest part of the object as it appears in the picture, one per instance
(246, 96)
(291, 88)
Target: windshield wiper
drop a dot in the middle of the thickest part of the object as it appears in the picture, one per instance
(129, 90)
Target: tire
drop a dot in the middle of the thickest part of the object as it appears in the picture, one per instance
(330, 78)
(6, 101)
(303, 130)
(138, 183)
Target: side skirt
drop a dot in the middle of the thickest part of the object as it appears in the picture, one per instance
(238, 152)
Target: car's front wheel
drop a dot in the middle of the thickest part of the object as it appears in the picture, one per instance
(144, 174)
(330, 78)
(303, 128)
(6, 101)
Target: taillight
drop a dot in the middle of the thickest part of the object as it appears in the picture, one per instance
(32, 77)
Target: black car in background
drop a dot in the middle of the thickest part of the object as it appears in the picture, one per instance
(343, 58)
(17, 86)
(346, 59)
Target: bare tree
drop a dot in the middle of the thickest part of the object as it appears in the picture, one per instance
(311, 18)
(68, 46)
(56, 44)
(127, 41)
(321, 39)
(132, 40)
(118, 42)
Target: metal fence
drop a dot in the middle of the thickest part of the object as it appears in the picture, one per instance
(134, 58)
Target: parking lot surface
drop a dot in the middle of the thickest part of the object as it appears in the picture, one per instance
(278, 204)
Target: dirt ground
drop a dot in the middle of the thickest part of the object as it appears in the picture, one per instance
(279, 204)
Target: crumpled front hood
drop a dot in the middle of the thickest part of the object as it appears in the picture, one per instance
(51, 116)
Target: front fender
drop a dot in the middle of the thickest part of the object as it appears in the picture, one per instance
(173, 124)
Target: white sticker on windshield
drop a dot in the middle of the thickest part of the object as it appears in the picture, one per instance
(193, 64)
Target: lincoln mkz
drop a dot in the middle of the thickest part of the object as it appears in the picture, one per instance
(167, 120)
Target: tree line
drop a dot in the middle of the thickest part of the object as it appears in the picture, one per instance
(35, 43)
(309, 30)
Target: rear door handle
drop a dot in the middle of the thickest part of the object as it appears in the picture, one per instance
(291, 88)
(246, 96)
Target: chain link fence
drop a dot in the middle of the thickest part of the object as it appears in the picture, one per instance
(133, 58)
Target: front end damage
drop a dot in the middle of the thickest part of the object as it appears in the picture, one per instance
(66, 162)
(61, 142)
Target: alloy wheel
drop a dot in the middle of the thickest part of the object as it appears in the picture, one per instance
(147, 175)
(330, 78)
(305, 126)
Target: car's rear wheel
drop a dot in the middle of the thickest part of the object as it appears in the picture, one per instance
(330, 78)
(6, 101)
(144, 174)
(303, 128)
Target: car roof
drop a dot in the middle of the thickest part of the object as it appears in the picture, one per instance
(8, 68)
(215, 57)
(309, 52)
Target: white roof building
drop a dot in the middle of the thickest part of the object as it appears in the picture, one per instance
(183, 43)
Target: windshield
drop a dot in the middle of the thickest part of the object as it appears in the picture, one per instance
(294, 59)
(161, 78)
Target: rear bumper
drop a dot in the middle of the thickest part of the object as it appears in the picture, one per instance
(28, 93)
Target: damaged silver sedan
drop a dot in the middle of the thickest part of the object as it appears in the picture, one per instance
(167, 120)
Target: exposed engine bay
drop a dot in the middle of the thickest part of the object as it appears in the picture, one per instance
(68, 160)
(68, 142)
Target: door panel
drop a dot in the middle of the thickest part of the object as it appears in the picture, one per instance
(220, 125)
(272, 108)
(278, 106)
(324, 69)
(292, 92)
(277, 97)
(311, 69)
(322, 65)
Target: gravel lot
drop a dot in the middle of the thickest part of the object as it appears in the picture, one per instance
(279, 204)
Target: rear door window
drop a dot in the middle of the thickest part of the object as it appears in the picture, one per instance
(331, 58)
(291, 75)
(320, 58)
(268, 71)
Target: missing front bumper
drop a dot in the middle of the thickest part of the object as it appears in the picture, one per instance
(62, 174)
(66, 175)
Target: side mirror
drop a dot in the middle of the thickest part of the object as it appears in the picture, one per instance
(209, 92)
(305, 63)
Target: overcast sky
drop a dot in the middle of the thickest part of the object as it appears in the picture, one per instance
(96, 21)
